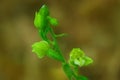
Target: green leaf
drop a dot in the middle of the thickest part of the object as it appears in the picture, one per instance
(39, 21)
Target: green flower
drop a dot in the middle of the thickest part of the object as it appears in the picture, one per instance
(41, 48)
(78, 58)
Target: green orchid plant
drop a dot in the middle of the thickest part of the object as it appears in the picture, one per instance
(49, 46)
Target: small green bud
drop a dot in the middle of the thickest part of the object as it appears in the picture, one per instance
(40, 48)
(78, 58)
(44, 11)
(40, 20)
(53, 21)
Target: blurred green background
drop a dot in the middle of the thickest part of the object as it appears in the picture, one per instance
(92, 25)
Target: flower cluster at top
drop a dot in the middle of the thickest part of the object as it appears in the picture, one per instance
(48, 46)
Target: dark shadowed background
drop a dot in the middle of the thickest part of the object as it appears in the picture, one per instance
(92, 25)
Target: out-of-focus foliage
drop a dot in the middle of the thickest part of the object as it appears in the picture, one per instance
(92, 25)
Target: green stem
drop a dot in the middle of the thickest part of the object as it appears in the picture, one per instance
(59, 51)
(55, 44)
